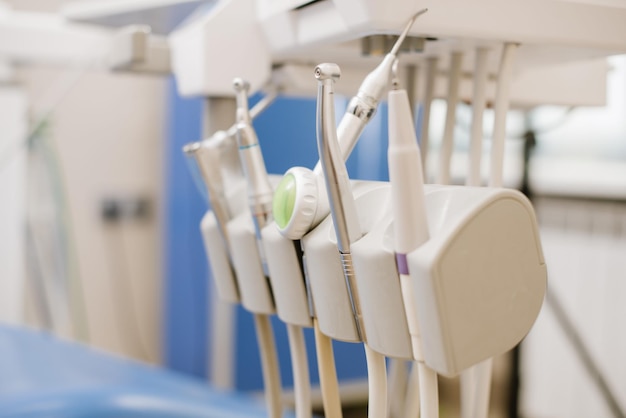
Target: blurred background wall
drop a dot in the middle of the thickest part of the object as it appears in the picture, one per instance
(102, 145)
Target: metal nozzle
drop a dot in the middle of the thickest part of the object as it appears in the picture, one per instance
(405, 32)
(241, 88)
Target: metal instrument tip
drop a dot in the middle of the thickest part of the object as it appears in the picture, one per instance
(405, 32)
(327, 71)
(240, 85)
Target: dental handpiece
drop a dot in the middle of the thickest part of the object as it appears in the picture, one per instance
(260, 191)
(346, 224)
(342, 205)
(362, 107)
(207, 156)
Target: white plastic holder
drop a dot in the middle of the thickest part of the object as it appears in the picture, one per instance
(254, 287)
(329, 292)
(377, 281)
(288, 283)
(479, 282)
(215, 247)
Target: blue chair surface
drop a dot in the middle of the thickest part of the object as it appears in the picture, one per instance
(43, 376)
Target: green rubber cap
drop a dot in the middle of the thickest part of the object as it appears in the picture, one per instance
(284, 200)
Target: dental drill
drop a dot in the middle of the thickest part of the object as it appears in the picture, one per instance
(216, 167)
(346, 223)
(205, 158)
(260, 195)
(260, 191)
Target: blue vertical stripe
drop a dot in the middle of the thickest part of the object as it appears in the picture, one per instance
(185, 288)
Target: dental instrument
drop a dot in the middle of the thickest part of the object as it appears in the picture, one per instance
(447, 142)
(346, 223)
(260, 191)
(410, 227)
(342, 206)
(215, 166)
(409, 399)
(260, 195)
(362, 107)
(205, 158)
(209, 160)
(295, 214)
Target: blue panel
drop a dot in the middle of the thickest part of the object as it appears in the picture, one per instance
(185, 289)
(287, 136)
(286, 132)
(369, 159)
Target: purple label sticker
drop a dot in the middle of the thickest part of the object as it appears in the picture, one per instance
(403, 266)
